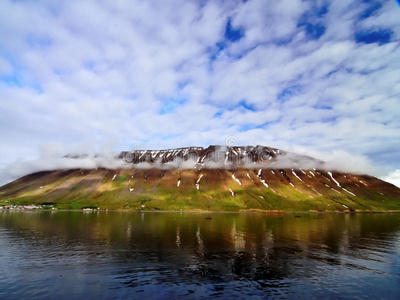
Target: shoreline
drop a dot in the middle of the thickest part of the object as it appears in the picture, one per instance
(267, 212)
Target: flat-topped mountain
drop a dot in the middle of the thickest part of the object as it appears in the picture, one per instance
(212, 178)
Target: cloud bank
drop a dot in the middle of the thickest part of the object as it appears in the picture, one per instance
(50, 160)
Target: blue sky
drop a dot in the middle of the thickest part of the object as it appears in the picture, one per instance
(308, 76)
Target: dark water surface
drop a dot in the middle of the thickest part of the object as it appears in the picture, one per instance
(64, 255)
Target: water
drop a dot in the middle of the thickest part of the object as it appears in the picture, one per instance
(96, 255)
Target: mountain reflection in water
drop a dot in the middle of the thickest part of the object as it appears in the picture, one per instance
(160, 255)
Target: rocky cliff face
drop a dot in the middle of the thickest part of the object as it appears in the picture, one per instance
(223, 155)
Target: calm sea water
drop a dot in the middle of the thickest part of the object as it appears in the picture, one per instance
(64, 255)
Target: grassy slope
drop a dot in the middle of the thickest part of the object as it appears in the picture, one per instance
(157, 189)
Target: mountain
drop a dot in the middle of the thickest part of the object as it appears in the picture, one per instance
(214, 178)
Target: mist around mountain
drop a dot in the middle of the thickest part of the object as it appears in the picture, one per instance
(54, 158)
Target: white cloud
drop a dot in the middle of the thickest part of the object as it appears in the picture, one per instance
(393, 177)
(5, 67)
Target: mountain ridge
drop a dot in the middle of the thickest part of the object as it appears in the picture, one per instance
(214, 178)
